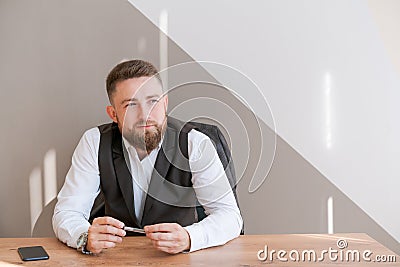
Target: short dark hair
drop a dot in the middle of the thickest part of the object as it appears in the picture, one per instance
(135, 68)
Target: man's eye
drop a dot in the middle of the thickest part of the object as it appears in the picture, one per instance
(131, 104)
(153, 101)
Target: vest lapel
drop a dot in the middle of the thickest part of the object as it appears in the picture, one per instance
(123, 174)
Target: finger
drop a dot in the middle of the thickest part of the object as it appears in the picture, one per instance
(161, 236)
(161, 227)
(108, 229)
(109, 238)
(108, 220)
(105, 244)
(163, 244)
(105, 229)
(98, 246)
(169, 250)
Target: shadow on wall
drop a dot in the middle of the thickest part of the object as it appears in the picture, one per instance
(43, 226)
(48, 181)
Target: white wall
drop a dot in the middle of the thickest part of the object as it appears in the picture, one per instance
(329, 74)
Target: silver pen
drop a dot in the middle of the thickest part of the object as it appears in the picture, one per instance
(133, 229)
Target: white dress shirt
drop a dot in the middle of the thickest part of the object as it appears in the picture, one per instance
(82, 185)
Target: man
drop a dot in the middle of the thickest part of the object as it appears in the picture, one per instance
(160, 190)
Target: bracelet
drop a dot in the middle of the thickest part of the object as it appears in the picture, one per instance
(86, 251)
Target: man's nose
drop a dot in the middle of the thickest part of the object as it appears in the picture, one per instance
(143, 112)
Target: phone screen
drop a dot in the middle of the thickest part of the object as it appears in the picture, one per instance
(33, 253)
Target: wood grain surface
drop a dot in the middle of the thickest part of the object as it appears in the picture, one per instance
(242, 251)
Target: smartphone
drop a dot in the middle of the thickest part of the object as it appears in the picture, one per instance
(33, 253)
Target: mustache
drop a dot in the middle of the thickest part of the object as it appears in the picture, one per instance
(142, 123)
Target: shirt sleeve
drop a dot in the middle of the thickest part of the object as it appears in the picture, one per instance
(81, 187)
(224, 221)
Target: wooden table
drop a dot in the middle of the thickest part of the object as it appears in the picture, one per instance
(137, 251)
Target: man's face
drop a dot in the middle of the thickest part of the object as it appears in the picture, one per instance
(139, 108)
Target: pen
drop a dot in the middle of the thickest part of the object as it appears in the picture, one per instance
(133, 229)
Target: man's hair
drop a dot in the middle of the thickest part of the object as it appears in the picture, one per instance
(129, 69)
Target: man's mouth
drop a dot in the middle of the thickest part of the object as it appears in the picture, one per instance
(145, 126)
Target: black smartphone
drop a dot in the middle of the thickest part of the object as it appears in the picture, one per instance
(33, 253)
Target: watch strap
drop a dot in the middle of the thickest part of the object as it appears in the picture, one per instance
(82, 242)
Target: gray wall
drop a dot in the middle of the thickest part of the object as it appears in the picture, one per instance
(55, 56)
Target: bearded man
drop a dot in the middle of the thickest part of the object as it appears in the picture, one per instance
(152, 170)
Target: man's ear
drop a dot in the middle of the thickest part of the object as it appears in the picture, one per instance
(112, 113)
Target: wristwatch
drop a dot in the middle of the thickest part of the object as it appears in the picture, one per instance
(81, 243)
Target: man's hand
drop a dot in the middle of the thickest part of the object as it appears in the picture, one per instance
(169, 237)
(104, 232)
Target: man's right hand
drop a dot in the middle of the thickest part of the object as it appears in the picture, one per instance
(104, 232)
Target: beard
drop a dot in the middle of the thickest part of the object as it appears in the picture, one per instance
(145, 139)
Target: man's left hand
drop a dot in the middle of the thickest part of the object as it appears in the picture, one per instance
(169, 237)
